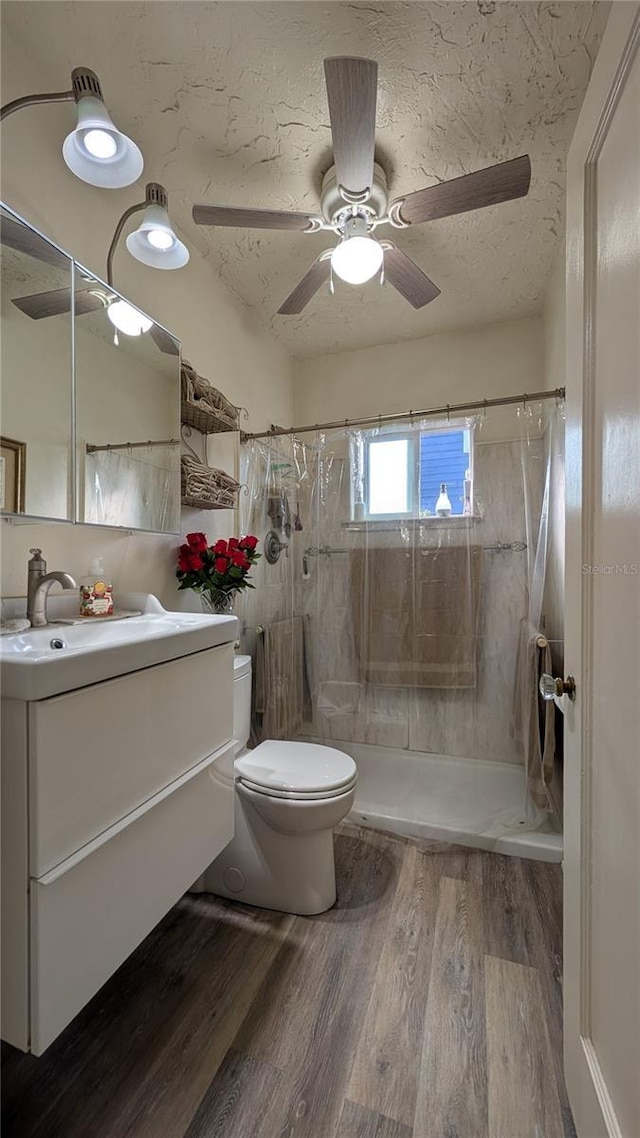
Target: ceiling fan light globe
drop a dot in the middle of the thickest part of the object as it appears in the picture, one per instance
(154, 242)
(97, 152)
(127, 319)
(357, 259)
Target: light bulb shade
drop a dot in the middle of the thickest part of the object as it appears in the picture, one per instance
(128, 319)
(97, 152)
(154, 242)
(357, 259)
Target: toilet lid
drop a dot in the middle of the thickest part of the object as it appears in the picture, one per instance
(305, 768)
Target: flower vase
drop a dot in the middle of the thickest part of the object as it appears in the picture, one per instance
(219, 603)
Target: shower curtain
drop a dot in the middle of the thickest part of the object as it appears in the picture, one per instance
(133, 488)
(412, 622)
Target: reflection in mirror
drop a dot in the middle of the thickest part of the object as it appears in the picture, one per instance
(36, 475)
(127, 413)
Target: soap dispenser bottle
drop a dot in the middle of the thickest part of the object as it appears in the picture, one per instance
(443, 505)
(96, 591)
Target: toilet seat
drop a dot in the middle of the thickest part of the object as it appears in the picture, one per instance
(284, 769)
(298, 796)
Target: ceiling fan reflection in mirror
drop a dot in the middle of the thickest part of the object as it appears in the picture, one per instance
(125, 317)
(354, 198)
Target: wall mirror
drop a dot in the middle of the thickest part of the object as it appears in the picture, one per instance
(36, 394)
(127, 413)
(90, 393)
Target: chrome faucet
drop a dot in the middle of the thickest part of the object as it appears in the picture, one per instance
(39, 583)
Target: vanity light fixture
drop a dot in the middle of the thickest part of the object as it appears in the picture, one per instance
(96, 151)
(154, 241)
(358, 257)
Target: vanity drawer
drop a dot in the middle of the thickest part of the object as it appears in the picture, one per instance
(90, 912)
(98, 753)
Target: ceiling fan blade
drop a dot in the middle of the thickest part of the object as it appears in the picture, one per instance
(56, 302)
(250, 218)
(351, 92)
(407, 278)
(305, 289)
(24, 240)
(163, 340)
(495, 184)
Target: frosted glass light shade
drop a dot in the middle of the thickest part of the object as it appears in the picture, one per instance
(128, 319)
(97, 152)
(154, 242)
(357, 259)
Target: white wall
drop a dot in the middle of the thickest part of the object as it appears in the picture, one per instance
(483, 363)
(219, 336)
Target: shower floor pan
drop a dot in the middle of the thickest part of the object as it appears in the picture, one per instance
(468, 802)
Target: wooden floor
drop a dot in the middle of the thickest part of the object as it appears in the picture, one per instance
(426, 1004)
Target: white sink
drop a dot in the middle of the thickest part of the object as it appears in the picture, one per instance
(42, 662)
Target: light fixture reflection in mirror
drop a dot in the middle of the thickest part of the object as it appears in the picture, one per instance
(127, 319)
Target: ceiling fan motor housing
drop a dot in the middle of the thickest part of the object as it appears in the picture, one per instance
(334, 206)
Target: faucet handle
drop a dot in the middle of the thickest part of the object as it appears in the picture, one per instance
(37, 562)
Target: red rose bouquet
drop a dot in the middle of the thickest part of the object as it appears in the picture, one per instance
(216, 571)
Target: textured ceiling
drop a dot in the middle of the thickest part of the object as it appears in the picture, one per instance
(227, 102)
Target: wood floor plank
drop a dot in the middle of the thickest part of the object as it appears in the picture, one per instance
(358, 1122)
(506, 931)
(523, 1099)
(176, 1081)
(452, 1093)
(241, 1101)
(337, 1006)
(542, 911)
(385, 1073)
(282, 1022)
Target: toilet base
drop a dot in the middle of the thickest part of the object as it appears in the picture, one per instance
(262, 866)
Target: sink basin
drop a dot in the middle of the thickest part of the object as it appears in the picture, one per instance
(42, 662)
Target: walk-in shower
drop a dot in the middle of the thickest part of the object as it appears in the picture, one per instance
(416, 631)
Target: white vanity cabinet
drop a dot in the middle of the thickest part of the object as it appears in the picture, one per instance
(115, 797)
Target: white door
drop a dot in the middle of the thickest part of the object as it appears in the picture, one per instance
(602, 594)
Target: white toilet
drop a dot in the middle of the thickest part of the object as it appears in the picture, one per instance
(288, 798)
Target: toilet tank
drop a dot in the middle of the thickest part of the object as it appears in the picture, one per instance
(241, 700)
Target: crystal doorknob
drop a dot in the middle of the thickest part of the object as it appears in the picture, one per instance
(551, 686)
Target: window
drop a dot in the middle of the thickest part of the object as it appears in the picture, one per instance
(402, 472)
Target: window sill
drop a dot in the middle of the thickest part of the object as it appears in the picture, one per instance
(457, 522)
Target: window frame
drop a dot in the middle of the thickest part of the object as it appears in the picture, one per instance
(413, 436)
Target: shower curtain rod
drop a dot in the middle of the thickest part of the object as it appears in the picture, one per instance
(449, 409)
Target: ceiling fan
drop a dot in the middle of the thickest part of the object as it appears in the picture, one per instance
(96, 296)
(354, 199)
